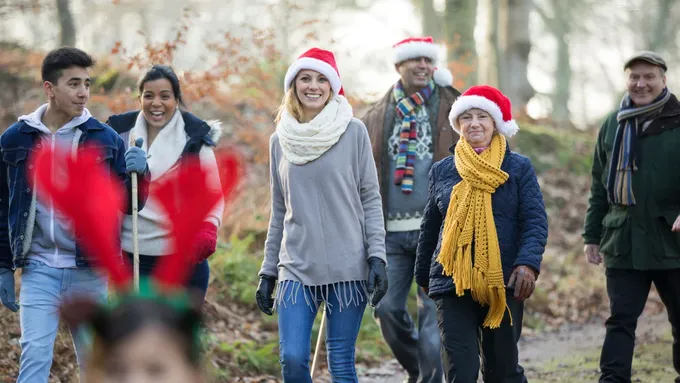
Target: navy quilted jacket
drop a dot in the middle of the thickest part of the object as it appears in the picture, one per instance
(518, 211)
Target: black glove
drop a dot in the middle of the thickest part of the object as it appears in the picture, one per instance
(265, 289)
(377, 280)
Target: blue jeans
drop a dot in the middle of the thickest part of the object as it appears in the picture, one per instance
(418, 351)
(295, 333)
(43, 288)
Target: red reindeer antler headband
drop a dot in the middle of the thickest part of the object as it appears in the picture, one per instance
(85, 192)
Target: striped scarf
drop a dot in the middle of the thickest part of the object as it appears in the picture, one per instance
(624, 160)
(469, 227)
(406, 110)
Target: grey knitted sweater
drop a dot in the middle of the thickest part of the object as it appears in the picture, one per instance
(326, 218)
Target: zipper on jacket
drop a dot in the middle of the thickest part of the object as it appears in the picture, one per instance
(52, 236)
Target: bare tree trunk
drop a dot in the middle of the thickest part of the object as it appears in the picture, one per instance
(508, 44)
(659, 34)
(501, 40)
(582, 69)
(490, 66)
(66, 24)
(514, 80)
(561, 95)
(431, 21)
(460, 19)
(559, 27)
(560, 98)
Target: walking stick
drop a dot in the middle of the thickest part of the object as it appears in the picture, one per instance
(135, 230)
(322, 329)
(135, 239)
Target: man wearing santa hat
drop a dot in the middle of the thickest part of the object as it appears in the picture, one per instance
(409, 131)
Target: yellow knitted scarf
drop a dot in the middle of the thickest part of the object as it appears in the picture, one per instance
(469, 219)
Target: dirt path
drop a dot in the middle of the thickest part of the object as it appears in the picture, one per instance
(568, 355)
(572, 348)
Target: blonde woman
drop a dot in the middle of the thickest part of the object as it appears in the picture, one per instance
(326, 232)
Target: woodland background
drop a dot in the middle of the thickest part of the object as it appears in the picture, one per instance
(559, 61)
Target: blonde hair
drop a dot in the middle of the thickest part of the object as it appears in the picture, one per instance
(291, 104)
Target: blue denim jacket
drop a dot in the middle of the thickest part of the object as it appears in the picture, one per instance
(17, 145)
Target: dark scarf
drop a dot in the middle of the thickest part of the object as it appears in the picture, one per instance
(624, 160)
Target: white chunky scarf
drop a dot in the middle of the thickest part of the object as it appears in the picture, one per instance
(305, 142)
(166, 148)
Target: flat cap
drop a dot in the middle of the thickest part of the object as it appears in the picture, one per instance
(647, 56)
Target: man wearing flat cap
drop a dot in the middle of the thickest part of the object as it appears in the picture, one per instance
(633, 218)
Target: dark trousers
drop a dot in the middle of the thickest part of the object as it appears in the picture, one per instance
(460, 322)
(628, 291)
(416, 349)
(198, 283)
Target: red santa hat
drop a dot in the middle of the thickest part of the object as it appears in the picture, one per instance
(318, 60)
(490, 100)
(414, 47)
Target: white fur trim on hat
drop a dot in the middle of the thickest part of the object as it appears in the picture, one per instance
(406, 51)
(465, 103)
(316, 65)
(443, 77)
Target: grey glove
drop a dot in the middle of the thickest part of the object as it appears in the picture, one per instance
(7, 290)
(135, 158)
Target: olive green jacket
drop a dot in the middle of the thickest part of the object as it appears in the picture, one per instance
(639, 237)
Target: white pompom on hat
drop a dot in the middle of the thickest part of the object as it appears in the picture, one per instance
(414, 47)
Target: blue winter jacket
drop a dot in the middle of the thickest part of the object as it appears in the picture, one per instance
(17, 145)
(518, 211)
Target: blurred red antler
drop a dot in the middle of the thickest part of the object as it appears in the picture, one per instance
(83, 191)
(188, 198)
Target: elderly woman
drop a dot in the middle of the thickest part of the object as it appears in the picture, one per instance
(482, 239)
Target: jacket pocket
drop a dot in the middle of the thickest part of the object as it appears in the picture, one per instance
(671, 239)
(15, 161)
(104, 153)
(616, 233)
(14, 157)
